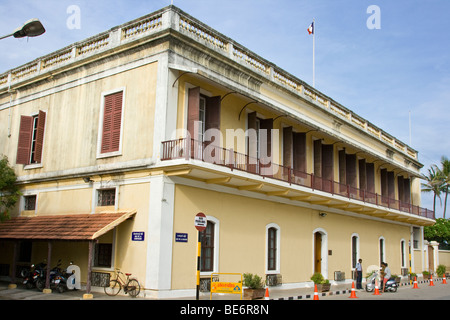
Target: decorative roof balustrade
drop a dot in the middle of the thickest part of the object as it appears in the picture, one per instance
(173, 18)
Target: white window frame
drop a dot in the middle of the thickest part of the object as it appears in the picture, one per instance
(216, 223)
(278, 253)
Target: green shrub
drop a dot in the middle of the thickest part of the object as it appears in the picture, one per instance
(253, 281)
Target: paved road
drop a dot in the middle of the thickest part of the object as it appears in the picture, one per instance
(425, 292)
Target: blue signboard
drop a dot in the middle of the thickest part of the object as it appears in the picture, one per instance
(138, 236)
(181, 237)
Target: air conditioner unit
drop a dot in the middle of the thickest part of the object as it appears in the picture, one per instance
(339, 276)
(405, 271)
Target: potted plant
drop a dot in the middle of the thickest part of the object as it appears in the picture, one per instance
(440, 270)
(426, 275)
(323, 285)
(254, 287)
(412, 275)
(397, 278)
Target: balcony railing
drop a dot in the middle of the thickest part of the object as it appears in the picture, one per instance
(185, 149)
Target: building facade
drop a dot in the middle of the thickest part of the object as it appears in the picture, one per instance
(162, 118)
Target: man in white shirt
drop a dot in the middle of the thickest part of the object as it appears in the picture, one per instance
(358, 270)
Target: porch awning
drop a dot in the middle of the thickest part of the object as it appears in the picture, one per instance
(73, 227)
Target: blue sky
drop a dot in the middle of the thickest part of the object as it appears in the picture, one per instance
(384, 75)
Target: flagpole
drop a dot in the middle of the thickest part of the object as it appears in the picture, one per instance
(314, 53)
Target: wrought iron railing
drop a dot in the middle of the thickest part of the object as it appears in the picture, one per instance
(206, 152)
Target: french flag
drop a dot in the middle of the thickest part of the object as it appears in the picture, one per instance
(311, 28)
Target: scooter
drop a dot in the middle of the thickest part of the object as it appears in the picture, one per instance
(391, 284)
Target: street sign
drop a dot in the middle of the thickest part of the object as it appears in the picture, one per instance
(200, 221)
(181, 237)
(137, 236)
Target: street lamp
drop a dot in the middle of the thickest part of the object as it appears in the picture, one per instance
(31, 28)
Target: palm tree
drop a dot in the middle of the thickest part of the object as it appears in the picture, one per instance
(445, 172)
(434, 183)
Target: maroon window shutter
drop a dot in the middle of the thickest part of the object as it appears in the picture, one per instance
(318, 158)
(25, 136)
(212, 115)
(40, 137)
(391, 185)
(384, 182)
(327, 162)
(351, 169)
(342, 171)
(112, 122)
(252, 149)
(407, 190)
(267, 124)
(370, 177)
(193, 111)
(401, 188)
(287, 147)
(362, 174)
(299, 149)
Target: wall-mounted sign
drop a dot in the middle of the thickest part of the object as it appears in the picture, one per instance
(181, 237)
(200, 221)
(138, 236)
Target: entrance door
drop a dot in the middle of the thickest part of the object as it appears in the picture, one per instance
(317, 252)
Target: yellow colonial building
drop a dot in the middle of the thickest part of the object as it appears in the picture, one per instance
(120, 140)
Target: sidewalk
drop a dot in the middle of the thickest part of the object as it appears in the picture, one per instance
(275, 293)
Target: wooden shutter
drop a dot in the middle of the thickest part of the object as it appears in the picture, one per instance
(318, 158)
(370, 177)
(384, 182)
(193, 111)
(252, 143)
(391, 185)
(112, 122)
(299, 149)
(342, 172)
(25, 136)
(407, 190)
(252, 136)
(287, 147)
(212, 115)
(351, 169)
(327, 167)
(362, 174)
(40, 137)
(267, 124)
(401, 188)
(327, 162)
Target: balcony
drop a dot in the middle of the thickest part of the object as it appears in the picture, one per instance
(311, 188)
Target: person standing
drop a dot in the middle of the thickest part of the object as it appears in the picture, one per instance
(387, 274)
(359, 274)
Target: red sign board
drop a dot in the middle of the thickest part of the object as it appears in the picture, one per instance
(200, 221)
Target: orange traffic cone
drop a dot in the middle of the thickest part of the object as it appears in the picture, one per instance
(353, 294)
(316, 294)
(431, 281)
(266, 296)
(377, 291)
(415, 283)
(444, 281)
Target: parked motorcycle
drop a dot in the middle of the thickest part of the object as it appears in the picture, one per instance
(32, 276)
(391, 284)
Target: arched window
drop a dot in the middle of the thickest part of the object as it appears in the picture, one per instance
(272, 248)
(355, 250)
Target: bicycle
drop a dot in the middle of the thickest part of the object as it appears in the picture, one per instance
(130, 286)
